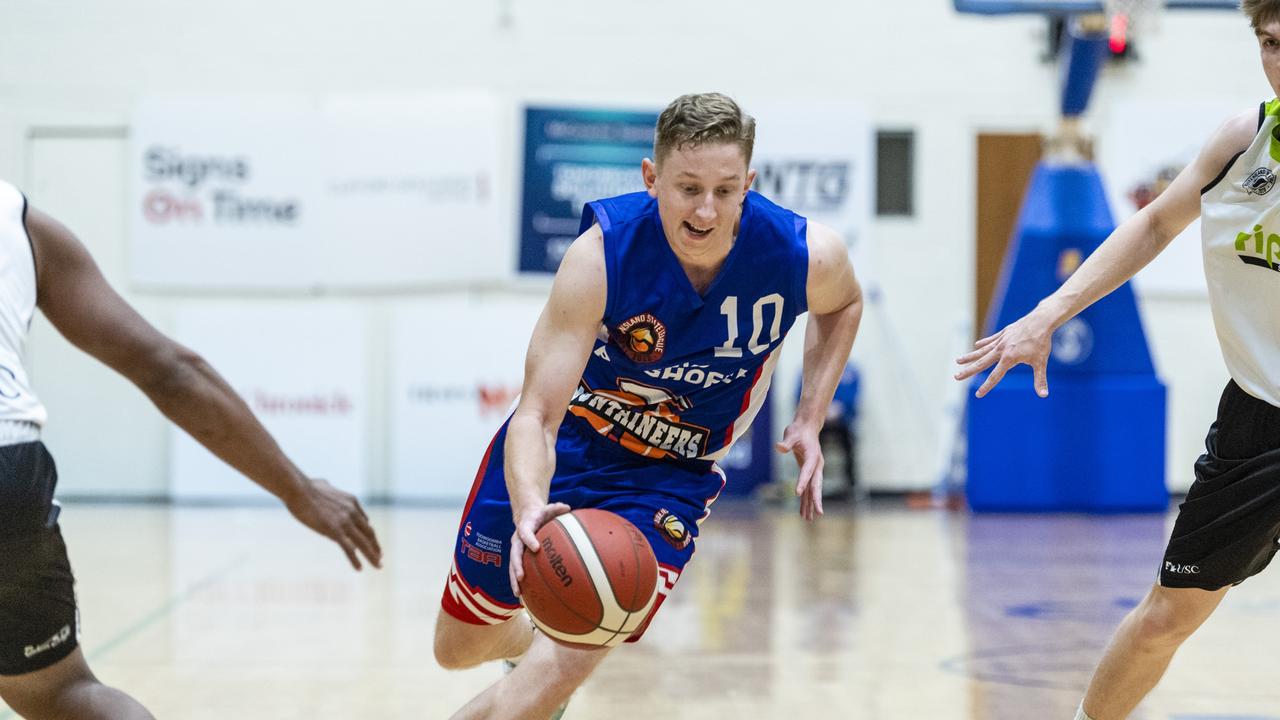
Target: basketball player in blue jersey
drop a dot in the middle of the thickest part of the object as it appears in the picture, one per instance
(43, 672)
(651, 357)
(1228, 529)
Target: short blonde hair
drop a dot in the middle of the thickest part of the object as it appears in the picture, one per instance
(1261, 12)
(693, 120)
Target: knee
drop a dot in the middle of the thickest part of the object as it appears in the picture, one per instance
(48, 703)
(459, 646)
(1160, 624)
(449, 653)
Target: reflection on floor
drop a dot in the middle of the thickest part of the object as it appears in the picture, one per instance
(878, 613)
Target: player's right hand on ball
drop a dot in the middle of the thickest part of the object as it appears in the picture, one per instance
(338, 516)
(528, 522)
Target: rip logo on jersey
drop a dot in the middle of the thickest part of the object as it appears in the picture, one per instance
(1260, 181)
(672, 529)
(643, 338)
(642, 419)
(1263, 252)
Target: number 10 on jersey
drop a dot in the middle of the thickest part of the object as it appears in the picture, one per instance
(729, 309)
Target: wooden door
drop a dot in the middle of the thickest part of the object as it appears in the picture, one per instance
(1005, 164)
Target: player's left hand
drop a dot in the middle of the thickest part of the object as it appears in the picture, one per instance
(802, 442)
(338, 516)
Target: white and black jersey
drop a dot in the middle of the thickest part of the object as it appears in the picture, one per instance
(1227, 526)
(21, 414)
(1240, 227)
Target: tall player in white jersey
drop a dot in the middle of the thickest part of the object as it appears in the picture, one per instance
(43, 673)
(1228, 527)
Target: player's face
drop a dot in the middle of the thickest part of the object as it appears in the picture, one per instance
(700, 192)
(1269, 44)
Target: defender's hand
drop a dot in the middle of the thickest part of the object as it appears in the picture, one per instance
(531, 519)
(338, 516)
(1028, 340)
(802, 442)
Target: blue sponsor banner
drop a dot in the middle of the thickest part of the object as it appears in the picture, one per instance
(573, 156)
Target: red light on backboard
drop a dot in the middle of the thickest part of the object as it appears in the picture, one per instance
(1119, 33)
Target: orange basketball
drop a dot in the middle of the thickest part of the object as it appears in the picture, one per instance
(593, 581)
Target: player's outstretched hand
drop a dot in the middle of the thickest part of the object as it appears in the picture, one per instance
(1027, 340)
(802, 443)
(531, 519)
(338, 516)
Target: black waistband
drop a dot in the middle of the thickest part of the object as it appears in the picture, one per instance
(28, 478)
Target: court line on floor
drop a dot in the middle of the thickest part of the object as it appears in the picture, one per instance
(151, 618)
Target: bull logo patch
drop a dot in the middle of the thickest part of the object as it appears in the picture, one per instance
(643, 338)
(672, 529)
(1260, 181)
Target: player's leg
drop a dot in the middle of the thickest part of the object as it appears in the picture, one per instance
(1142, 647)
(550, 672)
(538, 686)
(480, 618)
(65, 690)
(460, 644)
(669, 524)
(1225, 532)
(43, 673)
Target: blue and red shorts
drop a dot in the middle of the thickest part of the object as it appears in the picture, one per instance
(591, 472)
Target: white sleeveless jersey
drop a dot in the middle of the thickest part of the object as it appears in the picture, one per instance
(1240, 228)
(21, 413)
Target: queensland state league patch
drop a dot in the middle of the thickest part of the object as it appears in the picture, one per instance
(672, 529)
(1260, 181)
(643, 338)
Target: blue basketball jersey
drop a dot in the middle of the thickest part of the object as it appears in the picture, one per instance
(676, 375)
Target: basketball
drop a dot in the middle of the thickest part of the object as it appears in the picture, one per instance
(594, 580)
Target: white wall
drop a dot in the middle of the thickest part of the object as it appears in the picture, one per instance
(912, 63)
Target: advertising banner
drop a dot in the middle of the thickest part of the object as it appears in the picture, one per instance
(457, 366)
(816, 160)
(301, 369)
(289, 194)
(572, 157)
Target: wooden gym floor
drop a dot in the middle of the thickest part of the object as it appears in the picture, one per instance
(880, 613)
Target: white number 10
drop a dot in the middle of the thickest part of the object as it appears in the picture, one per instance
(729, 308)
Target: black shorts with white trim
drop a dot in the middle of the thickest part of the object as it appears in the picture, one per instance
(39, 624)
(1229, 525)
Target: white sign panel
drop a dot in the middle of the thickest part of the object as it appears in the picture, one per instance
(302, 370)
(816, 160)
(237, 193)
(458, 366)
(1140, 152)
